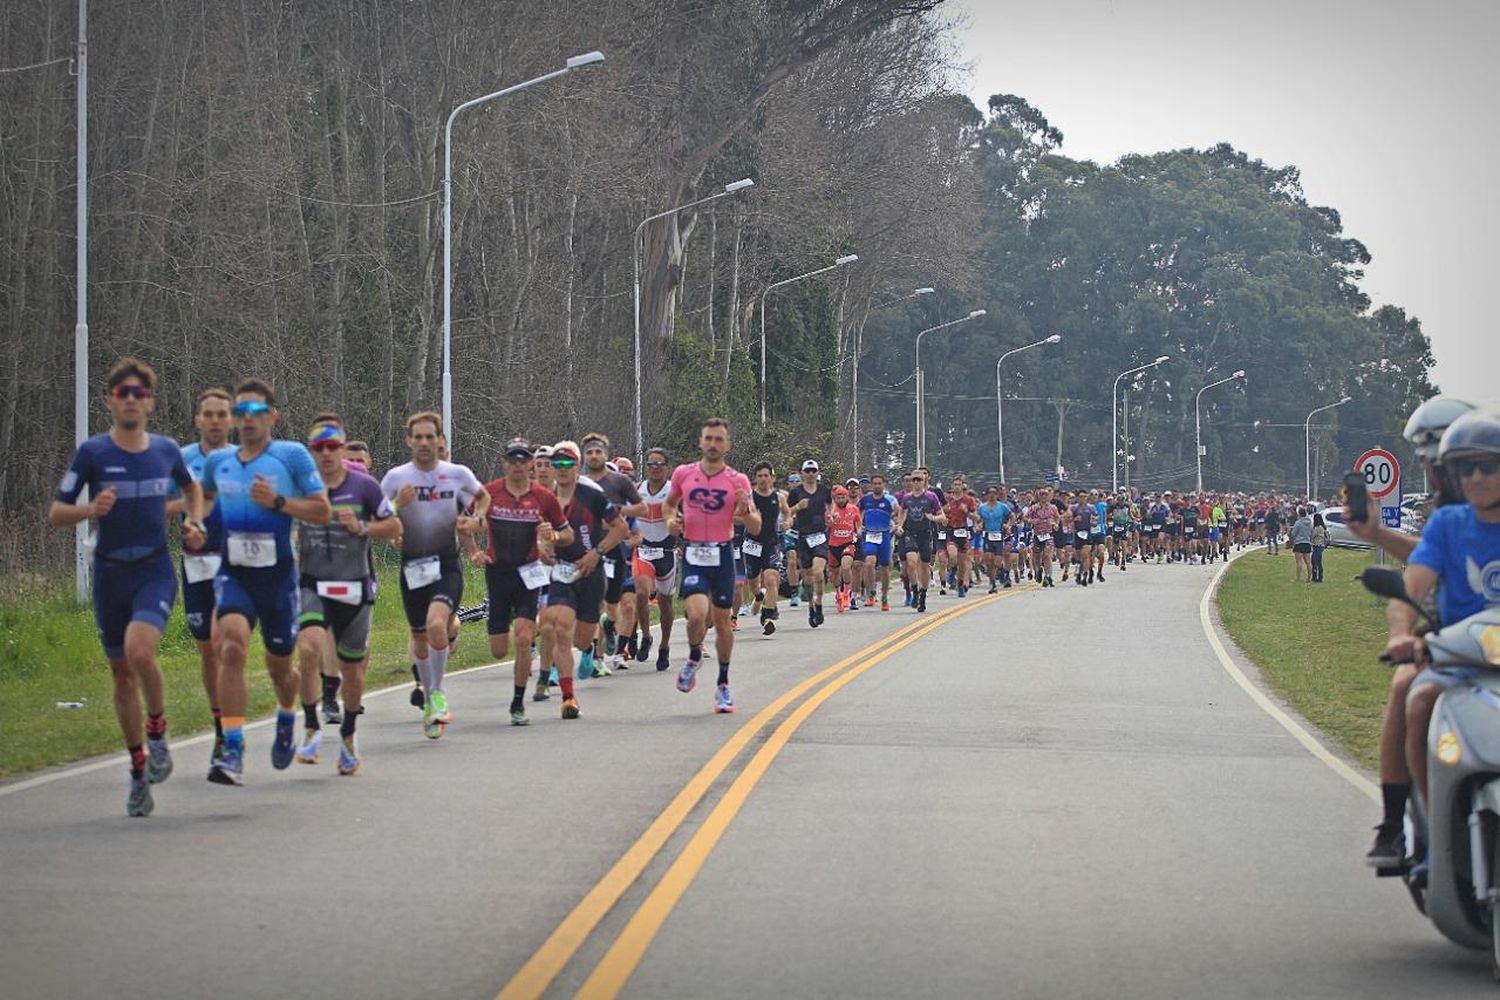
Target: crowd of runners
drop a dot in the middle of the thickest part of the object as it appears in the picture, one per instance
(578, 556)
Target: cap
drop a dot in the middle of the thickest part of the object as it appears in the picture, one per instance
(567, 449)
(839, 491)
(794, 479)
(810, 465)
(518, 447)
(864, 480)
(544, 451)
(852, 481)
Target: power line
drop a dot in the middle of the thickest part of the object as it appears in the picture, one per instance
(37, 65)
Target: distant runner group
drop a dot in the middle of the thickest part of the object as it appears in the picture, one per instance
(278, 535)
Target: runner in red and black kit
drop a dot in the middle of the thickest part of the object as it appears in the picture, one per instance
(521, 513)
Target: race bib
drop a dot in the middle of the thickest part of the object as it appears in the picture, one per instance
(815, 539)
(535, 575)
(200, 568)
(565, 572)
(609, 569)
(995, 536)
(751, 547)
(703, 555)
(960, 532)
(343, 591)
(650, 554)
(421, 573)
(1043, 537)
(255, 549)
(1082, 535)
(875, 537)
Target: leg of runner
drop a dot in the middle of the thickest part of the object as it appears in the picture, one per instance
(313, 642)
(353, 674)
(557, 627)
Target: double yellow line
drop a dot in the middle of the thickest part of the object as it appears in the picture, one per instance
(617, 965)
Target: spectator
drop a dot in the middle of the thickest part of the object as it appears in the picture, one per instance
(1300, 536)
(1319, 543)
(1273, 528)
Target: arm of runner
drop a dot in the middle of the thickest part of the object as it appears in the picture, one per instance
(66, 511)
(618, 529)
(671, 507)
(745, 508)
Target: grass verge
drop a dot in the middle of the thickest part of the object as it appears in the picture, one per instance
(1316, 644)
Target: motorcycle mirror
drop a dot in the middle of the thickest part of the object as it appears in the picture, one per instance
(1385, 581)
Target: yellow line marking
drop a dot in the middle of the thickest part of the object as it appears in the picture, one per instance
(617, 965)
(533, 978)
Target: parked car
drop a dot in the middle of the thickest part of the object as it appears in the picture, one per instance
(1338, 531)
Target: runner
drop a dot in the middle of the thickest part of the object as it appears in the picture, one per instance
(262, 487)
(843, 532)
(655, 560)
(918, 512)
(994, 517)
(577, 585)
(1042, 516)
(789, 546)
(705, 499)
(1082, 512)
(808, 502)
(877, 508)
(959, 516)
(199, 565)
(129, 474)
(621, 492)
(762, 548)
(327, 662)
(428, 494)
(338, 591)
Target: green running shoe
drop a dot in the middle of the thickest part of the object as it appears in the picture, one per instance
(440, 711)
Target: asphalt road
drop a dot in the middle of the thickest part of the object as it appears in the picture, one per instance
(1054, 794)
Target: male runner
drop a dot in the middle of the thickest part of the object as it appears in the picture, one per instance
(843, 531)
(1042, 516)
(877, 508)
(620, 491)
(428, 494)
(994, 514)
(261, 487)
(705, 499)
(918, 512)
(808, 502)
(338, 590)
(655, 558)
(129, 474)
(762, 549)
(959, 515)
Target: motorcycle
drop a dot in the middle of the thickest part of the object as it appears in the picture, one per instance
(1461, 820)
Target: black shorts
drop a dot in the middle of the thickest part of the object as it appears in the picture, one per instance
(836, 553)
(509, 598)
(960, 544)
(920, 543)
(1118, 532)
(349, 624)
(994, 546)
(1190, 533)
(1302, 547)
(806, 554)
(447, 589)
(584, 595)
(769, 559)
(619, 565)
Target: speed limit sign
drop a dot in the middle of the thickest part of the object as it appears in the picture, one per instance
(1381, 471)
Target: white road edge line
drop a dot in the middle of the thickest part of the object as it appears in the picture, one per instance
(1275, 711)
(112, 760)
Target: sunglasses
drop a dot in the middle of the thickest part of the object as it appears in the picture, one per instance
(251, 407)
(564, 463)
(130, 391)
(327, 446)
(517, 459)
(1465, 467)
(655, 465)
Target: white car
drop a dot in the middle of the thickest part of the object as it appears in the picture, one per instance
(1338, 532)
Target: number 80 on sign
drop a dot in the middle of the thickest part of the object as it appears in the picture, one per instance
(1381, 471)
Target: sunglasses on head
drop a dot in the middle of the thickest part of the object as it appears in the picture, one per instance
(130, 390)
(1465, 467)
(564, 463)
(251, 407)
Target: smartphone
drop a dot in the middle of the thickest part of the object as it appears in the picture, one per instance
(1358, 496)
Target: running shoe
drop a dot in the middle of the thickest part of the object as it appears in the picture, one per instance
(229, 769)
(158, 760)
(744, 610)
(768, 627)
(284, 747)
(518, 716)
(687, 677)
(601, 667)
(663, 659)
(586, 664)
(139, 802)
(542, 694)
(723, 700)
(908, 599)
(643, 650)
(812, 616)
(1390, 847)
(307, 753)
(331, 714)
(885, 605)
(621, 661)
(794, 599)
(570, 708)
(552, 678)
(440, 707)
(610, 635)
(993, 588)
(432, 726)
(853, 602)
(349, 756)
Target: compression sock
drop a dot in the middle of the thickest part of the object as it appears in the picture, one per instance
(156, 726)
(1394, 795)
(137, 761)
(518, 697)
(218, 725)
(424, 671)
(695, 653)
(437, 666)
(723, 671)
(331, 688)
(346, 728)
(566, 684)
(310, 714)
(234, 732)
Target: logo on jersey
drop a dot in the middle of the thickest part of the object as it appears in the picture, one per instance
(708, 499)
(1486, 581)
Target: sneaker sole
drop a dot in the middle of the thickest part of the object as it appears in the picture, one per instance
(523, 721)
(219, 776)
(307, 760)
(348, 772)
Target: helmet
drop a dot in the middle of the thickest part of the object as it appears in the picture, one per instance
(1425, 426)
(1475, 433)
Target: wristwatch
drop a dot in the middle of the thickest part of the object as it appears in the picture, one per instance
(279, 502)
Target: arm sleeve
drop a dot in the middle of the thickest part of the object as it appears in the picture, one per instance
(78, 474)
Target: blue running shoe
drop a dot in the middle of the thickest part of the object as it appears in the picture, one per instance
(284, 748)
(586, 664)
(552, 678)
(687, 677)
(139, 802)
(794, 598)
(723, 700)
(229, 769)
(158, 760)
(307, 753)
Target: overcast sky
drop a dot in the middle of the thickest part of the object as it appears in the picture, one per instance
(1387, 107)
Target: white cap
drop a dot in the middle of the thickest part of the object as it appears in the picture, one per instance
(811, 465)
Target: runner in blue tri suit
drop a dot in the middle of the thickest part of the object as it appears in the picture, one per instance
(129, 474)
(877, 507)
(994, 513)
(260, 487)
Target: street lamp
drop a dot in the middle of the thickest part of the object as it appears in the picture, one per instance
(574, 62)
(1114, 423)
(921, 382)
(1307, 440)
(999, 403)
(842, 261)
(635, 254)
(859, 343)
(1198, 419)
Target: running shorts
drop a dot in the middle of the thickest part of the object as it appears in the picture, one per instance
(836, 553)
(509, 598)
(806, 554)
(584, 595)
(660, 567)
(1082, 539)
(881, 550)
(142, 590)
(769, 558)
(715, 580)
(447, 589)
(959, 543)
(269, 595)
(198, 606)
(349, 624)
(920, 543)
(617, 575)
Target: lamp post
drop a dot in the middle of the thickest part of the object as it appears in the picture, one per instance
(635, 254)
(1307, 440)
(842, 261)
(574, 62)
(922, 382)
(1198, 419)
(1114, 425)
(999, 402)
(859, 342)
(81, 566)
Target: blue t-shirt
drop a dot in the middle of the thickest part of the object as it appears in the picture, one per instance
(994, 515)
(1465, 554)
(1101, 513)
(877, 511)
(213, 523)
(136, 526)
(289, 467)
